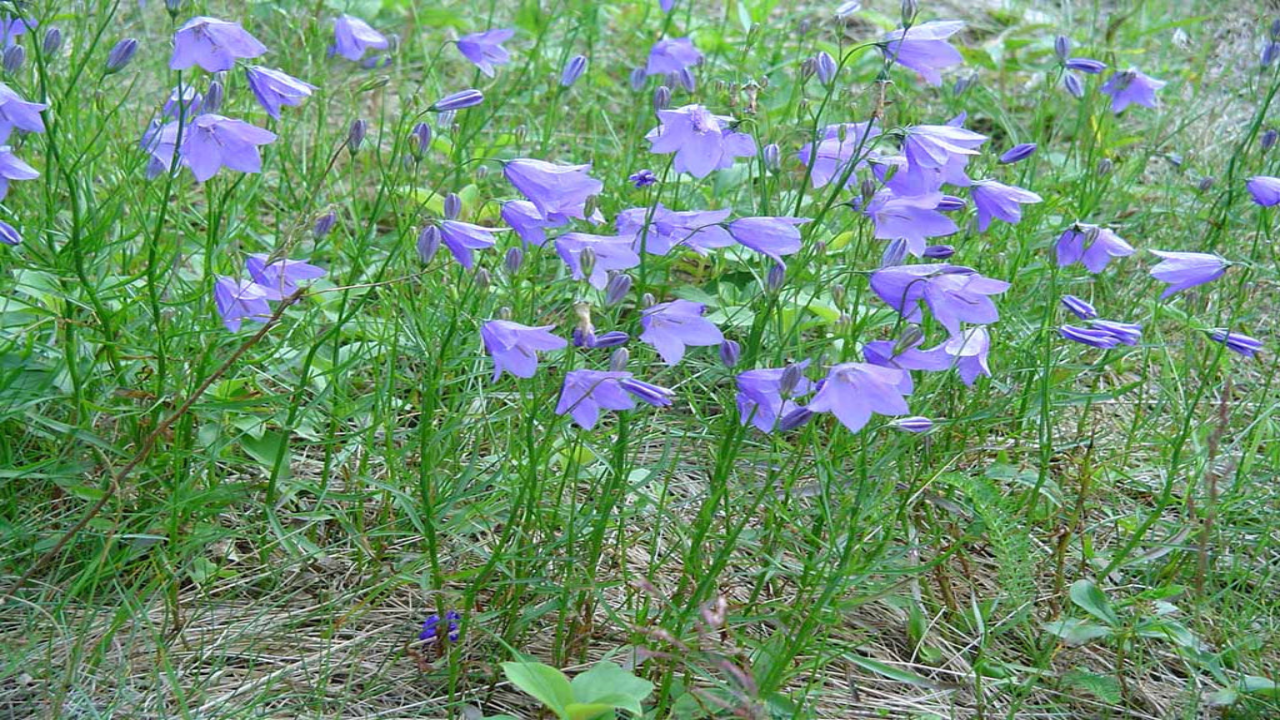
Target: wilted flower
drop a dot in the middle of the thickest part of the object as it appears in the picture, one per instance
(1184, 270)
(432, 625)
(13, 168)
(643, 178)
(352, 37)
(282, 276)
(671, 55)
(9, 235)
(997, 200)
(836, 150)
(701, 141)
(762, 399)
(213, 44)
(484, 49)
(1237, 343)
(853, 391)
(462, 238)
(770, 236)
(515, 347)
(1092, 246)
(670, 327)
(573, 70)
(1018, 153)
(238, 300)
(657, 230)
(458, 101)
(609, 253)
(273, 89)
(585, 392)
(1265, 190)
(15, 112)
(924, 48)
(558, 192)
(1132, 87)
(1078, 307)
(954, 294)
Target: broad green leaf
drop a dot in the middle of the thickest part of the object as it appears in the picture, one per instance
(1254, 685)
(608, 683)
(586, 711)
(545, 683)
(1090, 599)
(1077, 632)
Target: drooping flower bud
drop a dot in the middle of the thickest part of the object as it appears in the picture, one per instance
(121, 54)
(573, 70)
(1079, 307)
(1073, 86)
(1268, 139)
(772, 156)
(939, 252)
(420, 141)
(686, 80)
(795, 419)
(911, 336)
(1204, 185)
(14, 57)
(915, 424)
(458, 101)
(951, 203)
(1018, 153)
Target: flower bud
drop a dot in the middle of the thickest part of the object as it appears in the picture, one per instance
(121, 54)
(772, 156)
(838, 294)
(909, 10)
(912, 424)
(428, 243)
(1073, 86)
(513, 260)
(686, 80)
(452, 206)
(504, 313)
(482, 278)
(1205, 184)
(825, 67)
(964, 83)
(618, 360)
(730, 353)
(791, 377)
(355, 135)
(14, 57)
(1268, 139)
(951, 203)
(894, 252)
(173, 7)
(1018, 153)
(444, 121)
(808, 67)
(775, 278)
(212, 101)
(1269, 53)
(795, 419)
(617, 289)
(661, 98)
(939, 252)
(613, 338)
(1104, 166)
(323, 225)
(911, 336)
(638, 78)
(52, 41)
(420, 142)
(647, 300)
(1274, 31)
(458, 101)
(1062, 48)
(482, 172)
(573, 70)
(1079, 307)
(1088, 66)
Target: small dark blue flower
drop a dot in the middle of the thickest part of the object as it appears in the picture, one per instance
(431, 626)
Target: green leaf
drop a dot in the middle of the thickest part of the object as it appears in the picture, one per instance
(1254, 685)
(610, 684)
(1103, 687)
(1090, 599)
(891, 672)
(586, 711)
(1077, 632)
(545, 683)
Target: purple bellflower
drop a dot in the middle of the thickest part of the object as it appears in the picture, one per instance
(352, 37)
(1131, 87)
(699, 230)
(611, 253)
(1018, 153)
(239, 300)
(913, 219)
(671, 55)
(273, 89)
(484, 49)
(13, 168)
(770, 236)
(282, 276)
(1265, 190)
(1184, 270)
(643, 178)
(515, 347)
(953, 293)
(15, 112)
(1100, 339)
(11, 28)
(463, 239)
(836, 150)
(212, 44)
(924, 48)
(523, 217)
(460, 100)
(585, 392)
(997, 200)
(432, 626)
(213, 141)
(701, 141)
(1092, 246)
(558, 192)
(1078, 307)
(1125, 333)
(853, 391)
(9, 235)
(936, 154)
(762, 399)
(887, 353)
(1237, 343)
(967, 353)
(670, 327)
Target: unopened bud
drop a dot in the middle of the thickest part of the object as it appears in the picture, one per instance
(587, 261)
(772, 156)
(661, 98)
(1062, 48)
(355, 135)
(428, 243)
(647, 300)
(795, 419)
(323, 225)
(617, 288)
(52, 41)
(452, 206)
(420, 141)
(825, 67)
(790, 379)
(212, 101)
(1268, 139)
(939, 252)
(1104, 166)
(121, 54)
(14, 57)
(776, 276)
(911, 337)
(513, 260)
(909, 10)
(638, 77)
(730, 352)
(894, 253)
(619, 359)
(482, 279)
(1205, 184)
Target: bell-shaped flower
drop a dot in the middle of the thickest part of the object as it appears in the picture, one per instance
(658, 230)
(671, 55)
(213, 141)
(1132, 87)
(997, 200)
(484, 49)
(924, 48)
(515, 347)
(586, 392)
(273, 89)
(558, 191)
(213, 44)
(15, 112)
(352, 37)
(853, 391)
(671, 326)
(701, 141)
(607, 253)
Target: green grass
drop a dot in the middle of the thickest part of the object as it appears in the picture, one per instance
(217, 525)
